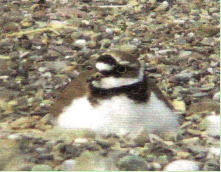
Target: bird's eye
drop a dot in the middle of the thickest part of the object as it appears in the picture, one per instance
(121, 69)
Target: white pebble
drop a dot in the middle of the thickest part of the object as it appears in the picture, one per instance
(216, 96)
(163, 6)
(81, 140)
(80, 42)
(213, 125)
(210, 70)
(68, 165)
(85, 22)
(14, 136)
(47, 74)
(214, 151)
(109, 31)
(182, 165)
(191, 34)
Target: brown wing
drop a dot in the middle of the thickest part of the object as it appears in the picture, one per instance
(77, 88)
(153, 87)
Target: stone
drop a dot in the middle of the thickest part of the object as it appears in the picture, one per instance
(213, 125)
(208, 41)
(182, 165)
(215, 151)
(216, 96)
(81, 140)
(109, 31)
(183, 76)
(179, 105)
(68, 165)
(81, 43)
(132, 163)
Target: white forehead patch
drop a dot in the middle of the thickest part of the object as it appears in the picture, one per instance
(114, 82)
(103, 66)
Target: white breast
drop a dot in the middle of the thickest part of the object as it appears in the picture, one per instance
(118, 115)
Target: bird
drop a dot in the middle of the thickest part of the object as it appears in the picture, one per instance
(115, 98)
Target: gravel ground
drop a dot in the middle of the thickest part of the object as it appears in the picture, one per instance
(45, 45)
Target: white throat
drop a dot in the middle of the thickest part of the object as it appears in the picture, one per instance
(103, 66)
(114, 82)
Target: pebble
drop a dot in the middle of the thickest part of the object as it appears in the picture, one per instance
(41, 150)
(81, 140)
(80, 43)
(200, 94)
(208, 41)
(109, 31)
(183, 76)
(156, 166)
(42, 69)
(163, 6)
(210, 70)
(179, 105)
(213, 125)
(182, 165)
(16, 136)
(47, 75)
(216, 96)
(185, 53)
(215, 151)
(132, 163)
(68, 165)
(41, 167)
(85, 22)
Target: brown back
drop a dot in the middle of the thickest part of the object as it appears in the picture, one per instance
(77, 88)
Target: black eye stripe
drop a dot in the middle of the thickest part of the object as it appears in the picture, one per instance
(121, 69)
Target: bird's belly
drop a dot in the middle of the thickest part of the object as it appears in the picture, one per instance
(118, 115)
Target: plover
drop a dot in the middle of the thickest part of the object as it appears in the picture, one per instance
(122, 100)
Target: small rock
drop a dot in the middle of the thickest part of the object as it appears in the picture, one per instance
(85, 22)
(15, 136)
(183, 76)
(215, 151)
(216, 96)
(68, 165)
(183, 154)
(213, 125)
(41, 167)
(47, 75)
(81, 140)
(200, 94)
(156, 166)
(80, 43)
(163, 6)
(105, 43)
(132, 163)
(42, 69)
(41, 150)
(208, 41)
(109, 31)
(185, 53)
(179, 105)
(182, 165)
(210, 70)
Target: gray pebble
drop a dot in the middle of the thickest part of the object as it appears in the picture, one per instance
(183, 76)
(132, 163)
(200, 94)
